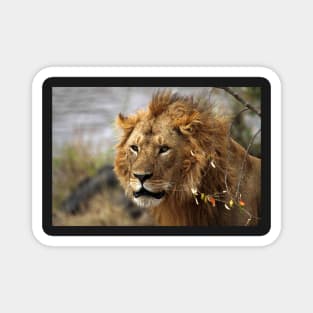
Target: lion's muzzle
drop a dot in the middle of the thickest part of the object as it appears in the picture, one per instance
(145, 192)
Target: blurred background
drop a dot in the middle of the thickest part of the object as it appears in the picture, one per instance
(85, 189)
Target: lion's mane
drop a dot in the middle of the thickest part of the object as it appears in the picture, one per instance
(207, 191)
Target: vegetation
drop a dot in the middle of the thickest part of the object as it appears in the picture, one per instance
(74, 163)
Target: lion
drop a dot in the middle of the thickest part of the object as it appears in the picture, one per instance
(177, 160)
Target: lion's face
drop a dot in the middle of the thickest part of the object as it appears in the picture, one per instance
(153, 161)
(159, 155)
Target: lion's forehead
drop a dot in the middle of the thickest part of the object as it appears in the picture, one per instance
(148, 139)
(154, 125)
(152, 132)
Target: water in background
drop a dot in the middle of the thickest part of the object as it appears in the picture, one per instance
(88, 113)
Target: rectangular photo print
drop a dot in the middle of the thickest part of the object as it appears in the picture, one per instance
(156, 156)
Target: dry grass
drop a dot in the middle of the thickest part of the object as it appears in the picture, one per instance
(72, 165)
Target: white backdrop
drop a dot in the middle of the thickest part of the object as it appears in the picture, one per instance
(36, 34)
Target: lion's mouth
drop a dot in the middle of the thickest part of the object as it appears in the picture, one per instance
(145, 192)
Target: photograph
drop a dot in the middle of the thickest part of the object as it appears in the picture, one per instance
(156, 156)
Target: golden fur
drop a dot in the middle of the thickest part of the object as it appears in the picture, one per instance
(185, 149)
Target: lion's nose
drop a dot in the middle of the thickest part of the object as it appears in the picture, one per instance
(143, 177)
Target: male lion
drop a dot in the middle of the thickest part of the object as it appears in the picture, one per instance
(177, 160)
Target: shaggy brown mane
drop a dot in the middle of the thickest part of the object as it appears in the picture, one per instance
(204, 192)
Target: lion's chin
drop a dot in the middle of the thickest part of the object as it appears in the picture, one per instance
(147, 202)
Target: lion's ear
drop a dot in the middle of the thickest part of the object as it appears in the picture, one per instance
(187, 129)
(121, 120)
(189, 125)
(127, 123)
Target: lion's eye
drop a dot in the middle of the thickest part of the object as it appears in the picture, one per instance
(164, 149)
(134, 148)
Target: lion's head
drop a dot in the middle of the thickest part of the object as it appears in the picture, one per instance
(166, 150)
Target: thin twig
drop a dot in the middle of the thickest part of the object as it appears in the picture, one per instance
(244, 161)
(240, 99)
(228, 146)
(241, 173)
(221, 200)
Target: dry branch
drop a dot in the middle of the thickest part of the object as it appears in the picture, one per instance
(240, 99)
(243, 165)
(244, 162)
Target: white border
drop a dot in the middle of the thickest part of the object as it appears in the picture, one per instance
(45, 239)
